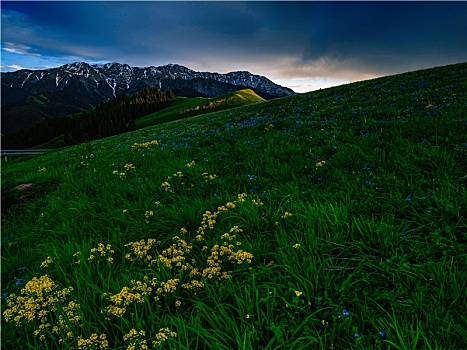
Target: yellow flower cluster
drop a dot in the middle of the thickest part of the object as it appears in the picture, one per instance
(141, 248)
(178, 174)
(257, 203)
(63, 325)
(133, 333)
(85, 160)
(297, 245)
(122, 174)
(121, 300)
(166, 186)
(163, 335)
(174, 255)
(39, 298)
(320, 164)
(135, 339)
(140, 146)
(168, 287)
(189, 165)
(193, 284)
(207, 176)
(298, 293)
(77, 254)
(103, 251)
(219, 252)
(41, 170)
(286, 215)
(95, 341)
(241, 197)
(135, 293)
(129, 167)
(209, 219)
(269, 127)
(144, 287)
(46, 262)
(147, 215)
(176, 258)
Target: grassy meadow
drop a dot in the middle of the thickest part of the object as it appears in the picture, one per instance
(334, 219)
(184, 107)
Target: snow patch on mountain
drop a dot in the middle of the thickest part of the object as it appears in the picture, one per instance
(122, 78)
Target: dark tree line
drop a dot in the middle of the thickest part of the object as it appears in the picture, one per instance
(108, 118)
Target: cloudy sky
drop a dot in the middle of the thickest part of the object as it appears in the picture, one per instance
(301, 45)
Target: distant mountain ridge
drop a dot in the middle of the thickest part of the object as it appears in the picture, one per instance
(79, 86)
(101, 82)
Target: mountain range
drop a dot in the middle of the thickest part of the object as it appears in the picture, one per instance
(29, 96)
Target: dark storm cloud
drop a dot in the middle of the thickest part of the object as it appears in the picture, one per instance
(379, 36)
(282, 40)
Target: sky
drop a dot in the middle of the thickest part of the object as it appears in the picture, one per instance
(305, 45)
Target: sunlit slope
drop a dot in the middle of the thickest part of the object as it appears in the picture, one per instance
(188, 107)
(333, 219)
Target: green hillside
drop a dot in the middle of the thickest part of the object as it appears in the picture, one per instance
(334, 219)
(184, 107)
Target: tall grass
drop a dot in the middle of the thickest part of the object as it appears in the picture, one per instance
(329, 220)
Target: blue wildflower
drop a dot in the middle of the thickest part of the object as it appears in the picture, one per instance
(21, 269)
(356, 335)
(381, 334)
(251, 177)
(339, 316)
(345, 312)
(408, 198)
(253, 189)
(18, 282)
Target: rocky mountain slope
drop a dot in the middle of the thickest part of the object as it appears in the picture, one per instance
(83, 85)
(101, 82)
